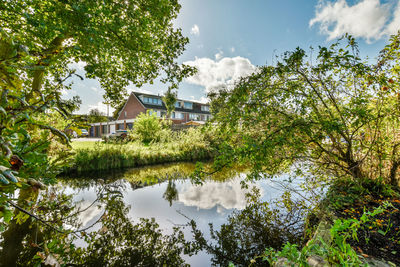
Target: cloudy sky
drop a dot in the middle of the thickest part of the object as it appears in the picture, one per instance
(229, 38)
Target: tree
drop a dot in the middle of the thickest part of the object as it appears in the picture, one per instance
(335, 115)
(248, 232)
(119, 41)
(95, 115)
(169, 99)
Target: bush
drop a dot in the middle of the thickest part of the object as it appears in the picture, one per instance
(149, 128)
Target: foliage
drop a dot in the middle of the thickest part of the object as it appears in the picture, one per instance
(129, 41)
(149, 128)
(336, 251)
(96, 115)
(120, 43)
(344, 193)
(120, 242)
(248, 232)
(170, 99)
(336, 113)
(104, 156)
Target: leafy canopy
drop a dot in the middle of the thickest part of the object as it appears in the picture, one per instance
(334, 115)
(120, 42)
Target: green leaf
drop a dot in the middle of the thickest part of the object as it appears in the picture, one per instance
(381, 232)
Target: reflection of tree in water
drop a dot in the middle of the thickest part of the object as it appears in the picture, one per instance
(249, 232)
(171, 193)
(119, 242)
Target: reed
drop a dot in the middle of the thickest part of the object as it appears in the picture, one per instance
(97, 156)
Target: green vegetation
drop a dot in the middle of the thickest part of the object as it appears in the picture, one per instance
(336, 114)
(96, 115)
(334, 122)
(191, 145)
(39, 40)
(149, 128)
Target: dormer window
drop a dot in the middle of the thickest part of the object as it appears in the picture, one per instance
(151, 100)
(177, 104)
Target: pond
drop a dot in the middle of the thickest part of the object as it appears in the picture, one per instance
(244, 219)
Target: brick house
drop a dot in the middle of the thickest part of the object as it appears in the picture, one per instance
(185, 111)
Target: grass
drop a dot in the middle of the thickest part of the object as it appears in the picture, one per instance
(76, 145)
(99, 156)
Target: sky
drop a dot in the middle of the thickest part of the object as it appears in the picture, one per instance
(230, 38)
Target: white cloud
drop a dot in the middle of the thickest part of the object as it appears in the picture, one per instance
(214, 74)
(367, 19)
(94, 89)
(101, 107)
(394, 26)
(195, 30)
(228, 195)
(219, 55)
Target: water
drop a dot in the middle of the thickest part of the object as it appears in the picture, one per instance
(166, 194)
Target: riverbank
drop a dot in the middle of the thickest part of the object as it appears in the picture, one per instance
(100, 156)
(359, 225)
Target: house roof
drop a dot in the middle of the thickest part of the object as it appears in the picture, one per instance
(196, 105)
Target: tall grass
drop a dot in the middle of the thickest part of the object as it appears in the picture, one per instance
(188, 145)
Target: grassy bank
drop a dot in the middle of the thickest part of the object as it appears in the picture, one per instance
(98, 156)
(359, 226)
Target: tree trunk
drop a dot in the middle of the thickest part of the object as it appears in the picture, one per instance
(16, 233)
(393, 173)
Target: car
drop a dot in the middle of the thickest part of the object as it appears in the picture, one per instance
(117, 134)
(84, 133)
(121, 133)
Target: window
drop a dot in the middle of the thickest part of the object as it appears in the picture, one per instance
(205, 108)
(188, 105)
(177, 104)
(177, 115)
(152, 100)
(194, 117)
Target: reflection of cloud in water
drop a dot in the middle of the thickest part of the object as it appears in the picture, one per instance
(88, 215)
(227, 195)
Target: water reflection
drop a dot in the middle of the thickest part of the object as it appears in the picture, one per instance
(228, 195)
(171, 193)
(133, 218)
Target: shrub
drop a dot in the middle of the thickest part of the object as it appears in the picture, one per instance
(149, 128)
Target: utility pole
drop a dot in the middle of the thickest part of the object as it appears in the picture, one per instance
(108, 107)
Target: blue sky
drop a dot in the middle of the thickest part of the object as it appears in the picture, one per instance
(230, 38)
